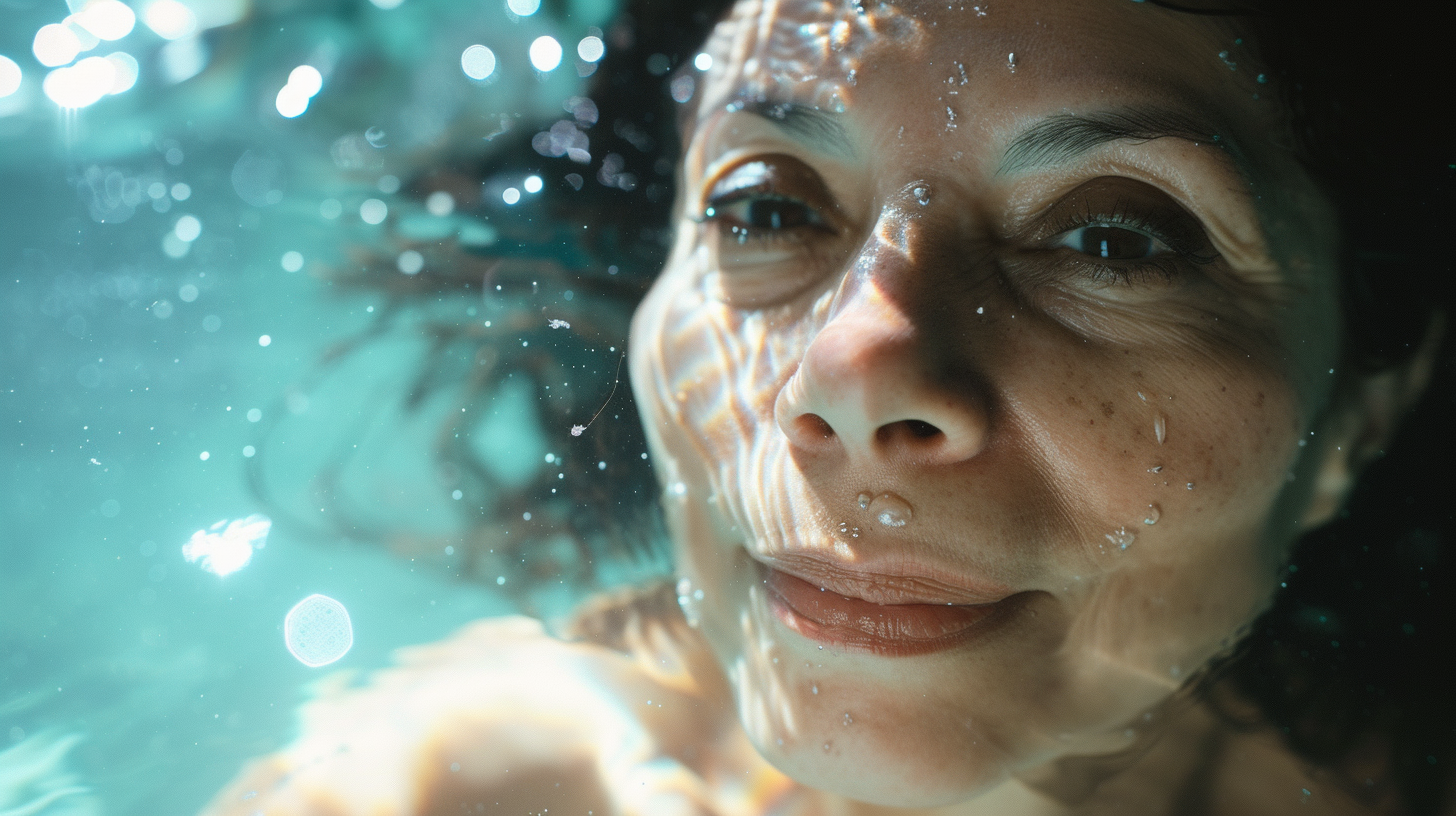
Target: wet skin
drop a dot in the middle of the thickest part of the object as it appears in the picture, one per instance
(1069, 317)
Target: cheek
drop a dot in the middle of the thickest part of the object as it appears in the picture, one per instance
(1167, 466)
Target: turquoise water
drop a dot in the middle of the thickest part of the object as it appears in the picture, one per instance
(147, 361)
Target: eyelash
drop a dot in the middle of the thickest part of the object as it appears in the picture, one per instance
(1174, 231)
(714, 213)
(1180, 237)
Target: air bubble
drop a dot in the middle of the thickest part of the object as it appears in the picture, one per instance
(1121, 538)
(922, 195)
(317, 631)
(890, 510)
(1153, 515)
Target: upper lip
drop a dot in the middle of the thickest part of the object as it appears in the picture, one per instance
(904, 584)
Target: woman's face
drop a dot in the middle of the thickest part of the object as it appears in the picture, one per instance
(988, 379)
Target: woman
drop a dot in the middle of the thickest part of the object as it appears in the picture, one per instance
(1003, 356)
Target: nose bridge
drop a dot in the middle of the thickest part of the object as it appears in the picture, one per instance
(873, 382)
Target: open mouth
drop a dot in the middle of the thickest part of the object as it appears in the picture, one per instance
(892, 629)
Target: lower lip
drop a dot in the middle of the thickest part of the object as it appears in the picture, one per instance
(898, 630)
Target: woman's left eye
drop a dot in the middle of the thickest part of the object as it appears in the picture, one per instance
(1111, 242)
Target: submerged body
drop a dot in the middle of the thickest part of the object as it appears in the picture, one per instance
(635, 719)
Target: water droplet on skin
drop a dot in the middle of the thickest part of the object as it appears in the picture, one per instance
(1190, 485)
(826, 747)
(1143, 398)
(1121, 538)
(864, 501)
(847, 719)
(890, 510)
(814, 689)
(922, 195)
(980, 310)
(1160, 428)
(1224, 55)
(1153, 515)
(1011, 62)
(1155, 469)
(836, 104)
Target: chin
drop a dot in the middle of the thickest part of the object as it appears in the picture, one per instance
(866, 770)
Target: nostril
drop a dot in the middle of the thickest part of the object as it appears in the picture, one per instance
(920, 429)
(813, 426)
(911, 432)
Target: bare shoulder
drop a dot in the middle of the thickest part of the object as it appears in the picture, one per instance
(503, 717)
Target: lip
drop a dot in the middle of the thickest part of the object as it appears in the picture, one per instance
(907, 615)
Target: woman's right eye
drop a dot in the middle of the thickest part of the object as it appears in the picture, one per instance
(748, 214)
(770, 198)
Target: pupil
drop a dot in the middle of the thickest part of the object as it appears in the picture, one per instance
(776, 214)
(1115, 244)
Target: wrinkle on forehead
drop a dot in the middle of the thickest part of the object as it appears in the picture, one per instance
(809, 51)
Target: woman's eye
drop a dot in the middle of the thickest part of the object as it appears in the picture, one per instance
(770, 197)
(1112, 243)
(760, 212)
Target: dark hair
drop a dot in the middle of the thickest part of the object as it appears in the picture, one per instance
(1345, 663)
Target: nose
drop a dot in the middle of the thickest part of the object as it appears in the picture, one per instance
(875, 386)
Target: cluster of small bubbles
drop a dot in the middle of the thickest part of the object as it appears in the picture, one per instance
(292, 261)
(1154, 513)
(410, 262)
(1121, 538)
(478, 62)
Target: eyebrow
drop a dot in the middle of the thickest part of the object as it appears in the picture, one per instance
(807, 124)
(1063, 137)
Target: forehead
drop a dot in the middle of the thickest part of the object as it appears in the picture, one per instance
(827, 53)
